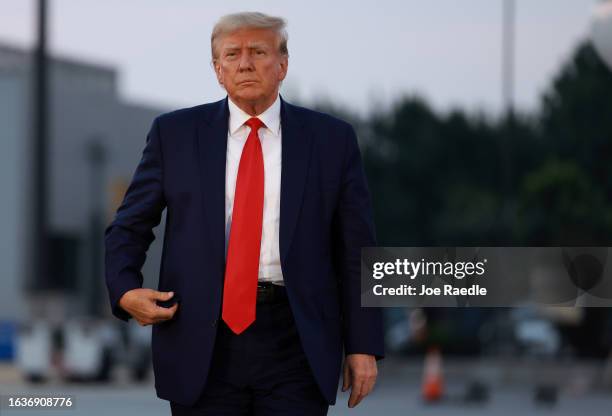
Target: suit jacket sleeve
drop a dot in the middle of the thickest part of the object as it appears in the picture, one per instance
(130, 234)
(353, 227)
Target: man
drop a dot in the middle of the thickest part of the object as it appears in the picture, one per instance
(267, 210)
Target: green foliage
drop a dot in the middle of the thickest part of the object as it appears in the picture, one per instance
(460, 179)
(559, 205)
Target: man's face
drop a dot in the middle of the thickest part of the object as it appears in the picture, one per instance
(249, 65)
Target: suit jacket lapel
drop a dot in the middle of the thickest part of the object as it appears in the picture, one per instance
(296, 146)
(212, 150)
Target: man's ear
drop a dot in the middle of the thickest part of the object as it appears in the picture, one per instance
(217, 67)
(284, 66)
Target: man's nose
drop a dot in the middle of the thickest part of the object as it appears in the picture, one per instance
(246, 63)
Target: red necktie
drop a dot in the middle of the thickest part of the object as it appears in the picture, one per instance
(242, 267)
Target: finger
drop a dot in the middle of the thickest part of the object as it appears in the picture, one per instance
(156, 295)
(355, 397)
(346, 378)
(163, 314)
(368, 386)
(168, 313)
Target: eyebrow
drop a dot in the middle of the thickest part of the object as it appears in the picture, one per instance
(253, 45)
(257, 45)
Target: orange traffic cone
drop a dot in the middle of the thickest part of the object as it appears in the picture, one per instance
(433, 384)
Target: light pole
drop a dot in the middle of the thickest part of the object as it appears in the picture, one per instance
(508, 36)
(96, 155)
(507, 78)
(40, 246)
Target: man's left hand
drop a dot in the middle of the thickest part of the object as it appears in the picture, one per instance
(360, 374)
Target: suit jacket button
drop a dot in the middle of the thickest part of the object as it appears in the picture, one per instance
(214, 323)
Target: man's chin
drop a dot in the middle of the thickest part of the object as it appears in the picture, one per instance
(250, 96)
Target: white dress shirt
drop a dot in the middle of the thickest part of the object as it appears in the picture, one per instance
(270, 137)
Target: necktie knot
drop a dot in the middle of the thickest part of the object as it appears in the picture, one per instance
(254, 123)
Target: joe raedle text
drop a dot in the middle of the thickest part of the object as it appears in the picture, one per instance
(423, 290)
(419, 276)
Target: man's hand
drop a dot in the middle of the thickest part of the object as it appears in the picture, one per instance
(140, 303)
(360, 374)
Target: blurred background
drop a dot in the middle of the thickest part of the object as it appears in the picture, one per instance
(482, 122)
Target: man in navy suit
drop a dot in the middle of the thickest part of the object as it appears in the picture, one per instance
(267, 209)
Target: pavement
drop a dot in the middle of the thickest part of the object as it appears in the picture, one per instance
(511, 389)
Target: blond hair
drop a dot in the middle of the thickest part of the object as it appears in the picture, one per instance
(251, 20)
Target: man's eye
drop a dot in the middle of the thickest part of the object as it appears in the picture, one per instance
(260, 53)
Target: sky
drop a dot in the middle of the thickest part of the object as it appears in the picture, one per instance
(360, 55)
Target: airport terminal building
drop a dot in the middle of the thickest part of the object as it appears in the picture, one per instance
(95, 141)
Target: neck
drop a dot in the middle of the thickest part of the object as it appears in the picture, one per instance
(254, 108)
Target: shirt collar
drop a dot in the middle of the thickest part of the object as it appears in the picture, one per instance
(270, 117)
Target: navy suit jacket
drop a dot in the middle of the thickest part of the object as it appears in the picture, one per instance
(325, 219)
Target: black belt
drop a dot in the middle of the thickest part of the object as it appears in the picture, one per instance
(270, 293)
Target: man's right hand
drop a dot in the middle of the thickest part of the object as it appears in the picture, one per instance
(140, 304)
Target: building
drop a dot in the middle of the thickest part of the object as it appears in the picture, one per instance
(96, 139)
